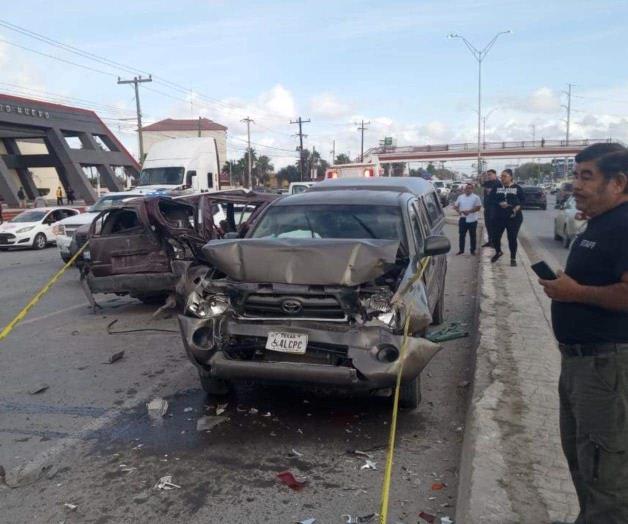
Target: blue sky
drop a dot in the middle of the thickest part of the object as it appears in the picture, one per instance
(335, 63)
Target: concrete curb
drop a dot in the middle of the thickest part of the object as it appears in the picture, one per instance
(512, 469)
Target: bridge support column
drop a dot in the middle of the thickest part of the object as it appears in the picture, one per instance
(8, 188)
(23, 174)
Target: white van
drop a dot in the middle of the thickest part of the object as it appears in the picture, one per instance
(179, 164)
(358, 170)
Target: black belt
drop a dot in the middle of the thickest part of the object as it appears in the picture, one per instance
(590, 350)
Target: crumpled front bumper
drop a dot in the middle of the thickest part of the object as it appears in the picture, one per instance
(363, 342)
(134, 284)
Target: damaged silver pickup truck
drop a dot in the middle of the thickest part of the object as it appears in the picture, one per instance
(320, 289)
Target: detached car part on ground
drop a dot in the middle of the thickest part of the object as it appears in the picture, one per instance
(142, 247)
(319, 292)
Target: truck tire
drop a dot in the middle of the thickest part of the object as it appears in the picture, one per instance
(213, 386)
(410, 394)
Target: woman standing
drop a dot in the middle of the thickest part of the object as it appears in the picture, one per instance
(509, 199)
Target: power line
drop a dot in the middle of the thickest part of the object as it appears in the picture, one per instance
(300, 134)
(136, 81)
(248, 121)
(362, 128)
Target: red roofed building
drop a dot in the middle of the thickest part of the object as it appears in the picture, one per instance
(186, 128)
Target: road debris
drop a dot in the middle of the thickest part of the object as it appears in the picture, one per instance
(39, 388)
(70, 506)
(115, 357)
(253, 411)
(307, 521)
(221, 409)
(188, 410)
(295, 453)
(437, 486)
(446, 520)
(209, 421)
(359, 453)
(157, 408)
(287, 478)
(450, 331)
(427, 517)
(369, 464)
(166, 483)
(349, 519)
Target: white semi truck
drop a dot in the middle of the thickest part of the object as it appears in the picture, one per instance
(181, 164)
(360, 170)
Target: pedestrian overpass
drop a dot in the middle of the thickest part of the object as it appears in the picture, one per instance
(469, 151)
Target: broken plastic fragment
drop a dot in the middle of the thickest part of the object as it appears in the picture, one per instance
(208, 422)
(157, 407)
(437, 486)
(427, 517)
(221, 409)
(359, 453)
(349, 519)
(307, 521)
(187, 410)
(295, 453)
(115, 357)
(287, 478)
(39, 388)
(446, 520)
(71, 506)
(369, 464)
(166, 483)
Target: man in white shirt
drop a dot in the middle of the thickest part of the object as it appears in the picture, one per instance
(467, 205)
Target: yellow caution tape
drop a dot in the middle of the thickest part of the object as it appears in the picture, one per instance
(20, 316)
(383, 507)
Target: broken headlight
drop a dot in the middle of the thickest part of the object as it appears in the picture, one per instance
(206, 307)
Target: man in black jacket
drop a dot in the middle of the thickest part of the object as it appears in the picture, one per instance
(490, 206)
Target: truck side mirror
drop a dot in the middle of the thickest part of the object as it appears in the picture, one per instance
(436, 245)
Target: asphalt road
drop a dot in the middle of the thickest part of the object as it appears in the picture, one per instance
(105, 455)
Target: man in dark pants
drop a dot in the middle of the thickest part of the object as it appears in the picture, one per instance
(490, 206)
(467, 205)
(590, 320)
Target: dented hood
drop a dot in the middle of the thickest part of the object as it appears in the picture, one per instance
(344, 262)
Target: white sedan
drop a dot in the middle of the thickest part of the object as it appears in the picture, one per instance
(569, 222)
(33, 227)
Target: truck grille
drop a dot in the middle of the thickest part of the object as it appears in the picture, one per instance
(274, 305)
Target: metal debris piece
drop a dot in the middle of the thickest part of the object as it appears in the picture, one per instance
(208, 422)
(307, 521)
(71, 506)
(39, 388)
(369, 464)
(221, 409)
(295, 453)
(349, 519)
(166, 483)
(287, 478)
(115, 357)
(427, 517)
(359, 453)
(157, 407)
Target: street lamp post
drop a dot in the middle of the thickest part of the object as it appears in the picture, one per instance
(479, 55)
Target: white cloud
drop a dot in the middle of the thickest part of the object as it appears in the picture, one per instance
(327, 105)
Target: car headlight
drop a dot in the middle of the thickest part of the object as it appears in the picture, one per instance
(377, 304)
(209, 307)
(25, 229)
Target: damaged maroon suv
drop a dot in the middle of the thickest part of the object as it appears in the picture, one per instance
(142, 247)
(320, 290)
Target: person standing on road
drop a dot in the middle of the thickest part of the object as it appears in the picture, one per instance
(509, 198)
(21, 196)
(590, 322)
(490, 206)
(467, 205)
(59, 196)
(70, 195)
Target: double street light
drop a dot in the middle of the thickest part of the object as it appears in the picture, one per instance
(479, 55)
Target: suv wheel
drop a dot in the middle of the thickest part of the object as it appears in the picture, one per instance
(40, 241)
(410, 393)
(213, 386)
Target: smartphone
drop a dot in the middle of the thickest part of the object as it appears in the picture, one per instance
(543, 271)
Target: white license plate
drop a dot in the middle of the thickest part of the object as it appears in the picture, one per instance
(286, 342)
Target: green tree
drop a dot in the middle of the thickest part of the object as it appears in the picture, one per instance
(342, 159)
(288, 174)
(431, 169)
(532, 171)
(313, 160)
(263, 169)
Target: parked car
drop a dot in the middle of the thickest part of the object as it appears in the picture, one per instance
(135, 247)
(64, 229)
(33, 228)
(535, 197)
(320, 289)
(569, 222)
(565, 190)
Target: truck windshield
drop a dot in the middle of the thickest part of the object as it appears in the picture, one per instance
(108, 201)
(331, 221)
(161, 175)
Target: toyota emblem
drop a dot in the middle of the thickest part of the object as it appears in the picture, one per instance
(291, 306)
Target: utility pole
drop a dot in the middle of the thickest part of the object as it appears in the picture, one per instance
(136, 81)
(568, 125)
(199, 126)
(333, 152)
(300, 134)
(248, 133)
(362, 128)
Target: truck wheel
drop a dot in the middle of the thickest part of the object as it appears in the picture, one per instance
(213, 386)
(410, 393)
(438, 316)
(40, 241)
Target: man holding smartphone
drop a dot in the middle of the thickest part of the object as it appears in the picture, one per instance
(590, 321)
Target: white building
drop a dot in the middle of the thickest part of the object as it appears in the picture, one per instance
(171, 128)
